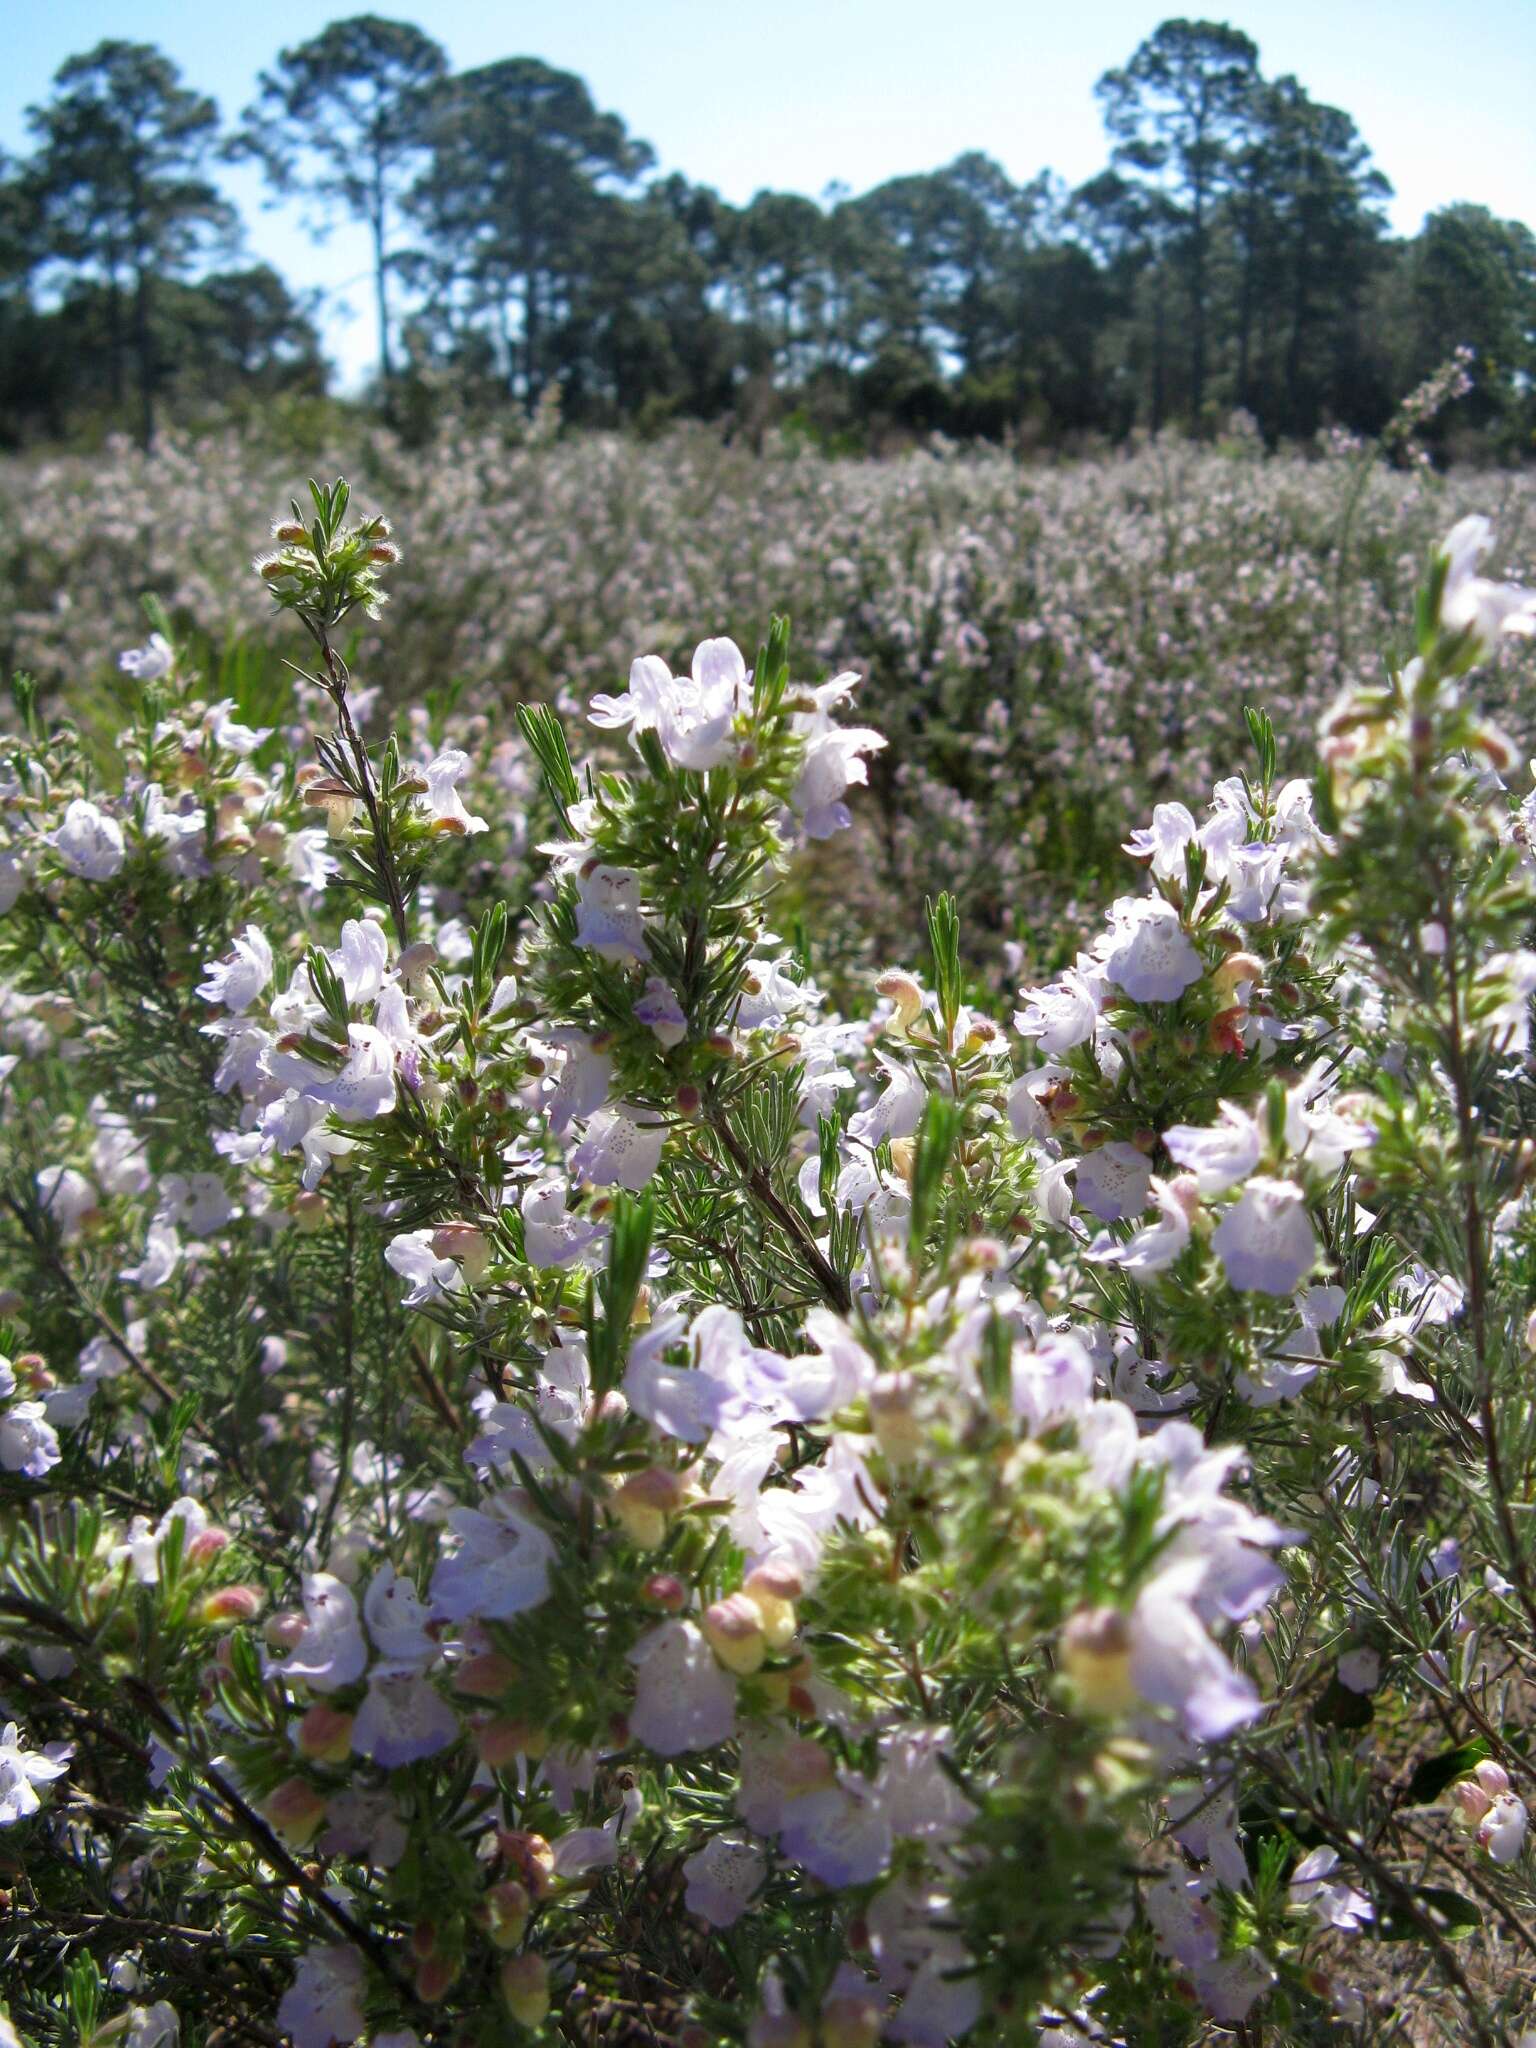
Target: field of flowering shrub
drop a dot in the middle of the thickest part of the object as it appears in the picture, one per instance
(1048, 650)
(715, 1334)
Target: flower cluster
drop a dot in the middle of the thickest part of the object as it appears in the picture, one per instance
(576, 1464)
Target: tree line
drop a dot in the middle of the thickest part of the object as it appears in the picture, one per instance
(1232, 254)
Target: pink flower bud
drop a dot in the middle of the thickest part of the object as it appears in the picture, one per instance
(233, 1603)
(734, 1630)
(665, 1591)
(283, 1629)
(525, 1987)
(294, 1811)
(325, 1734)
(507, 1906)
(485, 1676)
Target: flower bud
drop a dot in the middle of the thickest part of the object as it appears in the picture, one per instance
(283, 1629)
(525, 1987)
(665, 1591)
(294, 1811)
(485, 1676)
(507, 1906)
(778, 2030)
(644, 1500)
(325, 1734)
(415, 962)
(308, 1209)
(1185, 1190)
(851, 2019)
(1235, 968)
(734, 1630)
(906, 996)
(893, 1412)
(232, 1603)
(531, 1857)
(1096, 1656)
(206, 1544)
(1492, 1777)
(1471, 1802)
(467, 1245)
(434, 1978)
(688, 1099)
(289, 533)
(773, 1590)
(500, 1741)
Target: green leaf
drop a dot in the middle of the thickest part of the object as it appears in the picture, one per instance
(545, 734)
(944, 939)
(1443, 1769)
(1453, 1915)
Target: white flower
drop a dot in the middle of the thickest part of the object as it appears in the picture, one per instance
(608, 915)
(584, 1078)
(1334, 1905)
(239, 979)
(1360, 1670)
(622, 1148)
(361, 959)
(697, 715)
(332, 1651)
(501, 1567)
(660, 1009)
(365, 1087)
(198, 1201)
(429, 1277)
(22, 1771)
(1155, 1247)
(298, 1122)
(1221, 1155)
(88, 842)
(68, 1198)
(1266, 1242)
(1062, 1014)
(1469, 603)
(1113, 1182)
(832, 765)
(683, 1700)
(153, 2026)
(28, 1443)
(162, 1255)
(641, 706)
(1147, 952)
(1175, 1664)
(323, 2004)
(149, 662)
(1162, 845)
(897, 1113)
(397, 1621)
(1502, 1829)
(444, 773)
(551, 1235)
(1052, 1382)
(402, 1719)
(229, 733)
(724, 1877)
(845, 1842)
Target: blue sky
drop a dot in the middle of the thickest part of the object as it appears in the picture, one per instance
(806, 92)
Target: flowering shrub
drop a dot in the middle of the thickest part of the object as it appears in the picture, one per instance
(556, 1486)
(1049, 650)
